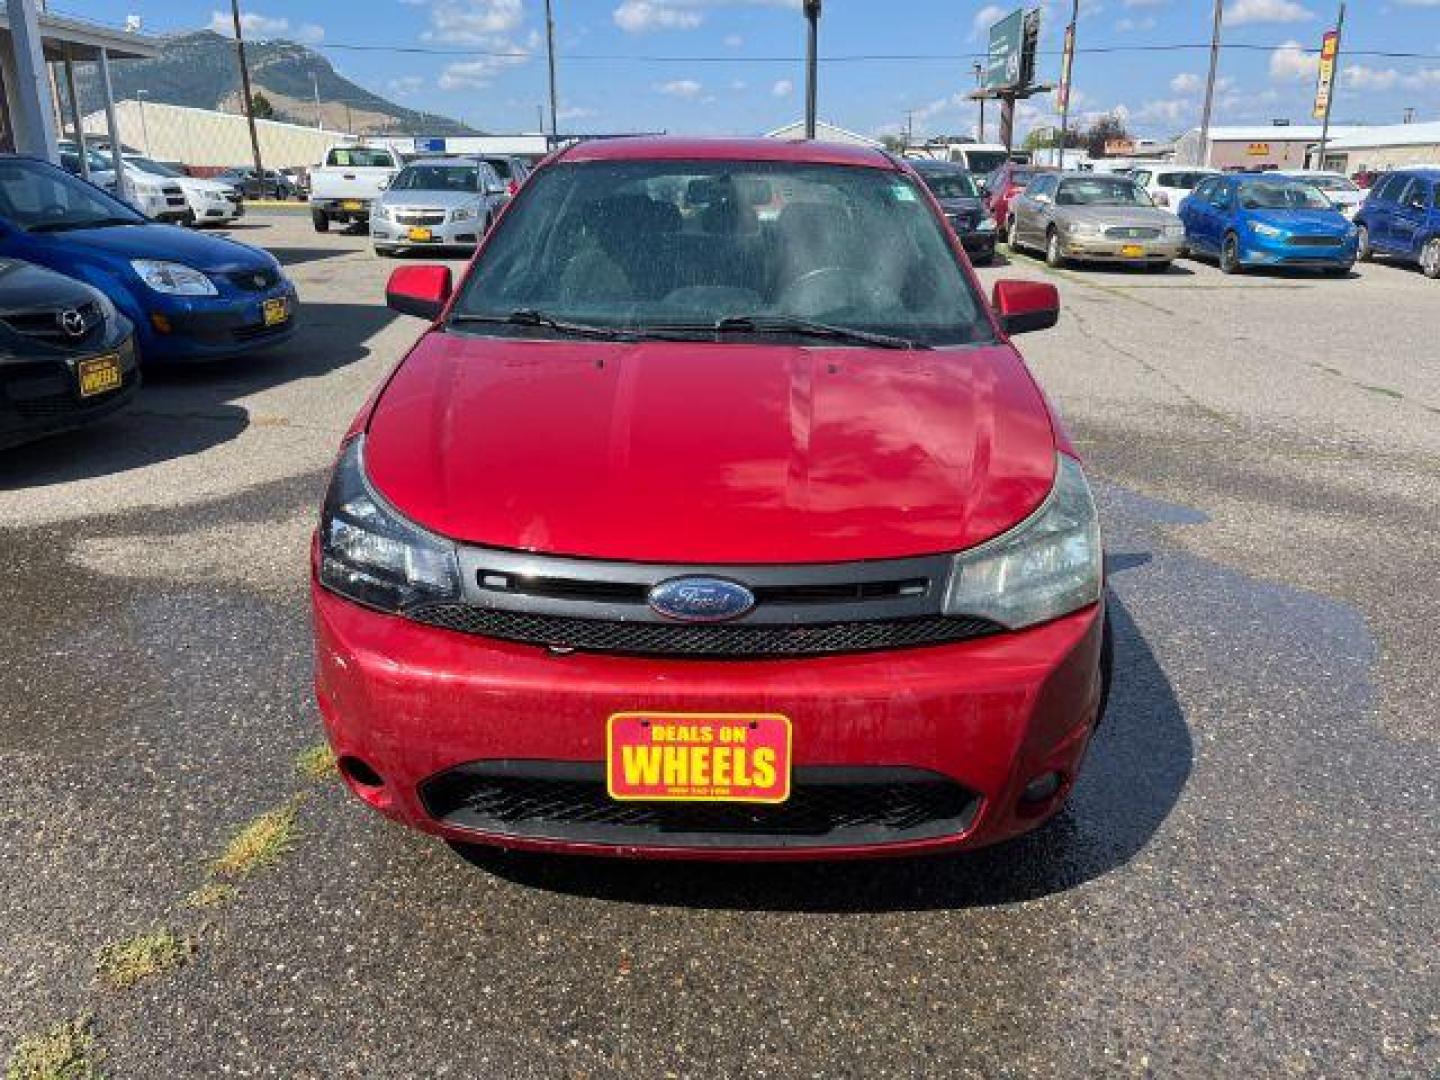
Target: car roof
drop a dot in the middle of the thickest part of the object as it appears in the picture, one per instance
(666, 148)
(461, 159)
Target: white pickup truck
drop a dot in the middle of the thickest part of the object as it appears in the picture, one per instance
(348, 181)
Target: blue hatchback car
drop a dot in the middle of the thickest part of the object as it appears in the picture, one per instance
(189, 295)
(1260, 219)
(1401, 217)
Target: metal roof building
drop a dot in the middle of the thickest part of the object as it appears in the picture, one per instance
(1392, 146)
(1256, 146)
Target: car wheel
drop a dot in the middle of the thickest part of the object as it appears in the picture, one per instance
(1363, 250)
(1337, 271)
(1230, 254)
(1054, 257)
(1430, 258)
(1012, 235)
(385, 252)
(320, 220)
(1158, 267)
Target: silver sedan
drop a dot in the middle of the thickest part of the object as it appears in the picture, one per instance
(1094, 218)
(437, 203)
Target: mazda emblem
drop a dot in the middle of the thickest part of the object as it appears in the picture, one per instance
(71, 323)
(701, 599)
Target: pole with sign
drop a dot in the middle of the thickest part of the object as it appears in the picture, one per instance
(1325, 82)
(1067, 61)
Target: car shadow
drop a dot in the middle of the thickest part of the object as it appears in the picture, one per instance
(1175, 269)
(293, 256)
(185, 408)
(1137, 766)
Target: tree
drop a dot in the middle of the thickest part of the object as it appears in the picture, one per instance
(261, 108)
(1104, 129)
(894, 143)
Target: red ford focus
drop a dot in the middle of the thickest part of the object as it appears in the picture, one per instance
(713, 516)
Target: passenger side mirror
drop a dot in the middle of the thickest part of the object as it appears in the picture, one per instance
(384, 184)
(1024, 306)
(422, 291)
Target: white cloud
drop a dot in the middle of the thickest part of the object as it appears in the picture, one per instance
(1145, 3)
(1420, 80)
(783, 88)
(1186, 83)
(1265, 11)
(575, 112)
(1290, 63)
(732, 41)
(1166, 110)
(255, 25)
(406, 84)
(985, 18)
(681, 88)
(1360, 77)
(642, 16)
(473, 22)
(1128, 25)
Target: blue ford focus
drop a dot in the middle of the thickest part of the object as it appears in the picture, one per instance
(1259, 219)
(189, 295)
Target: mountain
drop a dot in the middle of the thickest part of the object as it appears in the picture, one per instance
(200, 70)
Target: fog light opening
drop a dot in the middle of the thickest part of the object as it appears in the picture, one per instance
(160, 322)
(1041, 788)
(357, 772)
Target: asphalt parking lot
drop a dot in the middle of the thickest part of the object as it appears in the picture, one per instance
(1244, 884)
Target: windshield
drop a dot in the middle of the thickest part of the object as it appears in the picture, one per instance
(1101, 191)
(144, 164)
(41, 198)
(948, 185)
(1282, 195)
(501, 166)
(981, 161)
(1185, 181)
(359, 157)
(437, 178)
(1331, 183)
(640, 245)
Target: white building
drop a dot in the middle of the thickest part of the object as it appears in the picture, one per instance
(1255, 146)
(212, 140)
(795, 132)
(1391, 146)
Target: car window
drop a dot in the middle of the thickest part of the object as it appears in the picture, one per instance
(1101, 191)
(1184, 181)
(359, 157)
(501, 167)
(1282, 194)
(980, 161)
(148, 165)
(1435, 197)
(1142, 177)
(950, 185)
(1414, 197)
(41, 198)
(637, 244)
(1332, 183)
(1205, 188)
(1222, 195)
(1387, 189)
(437, 178)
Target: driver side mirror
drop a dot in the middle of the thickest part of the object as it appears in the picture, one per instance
(422, 291)
(1024, 306)
(384, 184)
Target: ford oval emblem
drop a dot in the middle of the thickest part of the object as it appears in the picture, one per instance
(701, 599)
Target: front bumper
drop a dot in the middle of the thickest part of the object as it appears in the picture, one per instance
(355, 211)
(389, 234)
(424, 709)
(1267, 251)
(1107, 249)
(40, 397)
(977, 242)
(212, 327)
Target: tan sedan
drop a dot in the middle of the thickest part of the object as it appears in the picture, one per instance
(1094, 218)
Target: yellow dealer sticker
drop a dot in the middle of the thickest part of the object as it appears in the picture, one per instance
(698, 757)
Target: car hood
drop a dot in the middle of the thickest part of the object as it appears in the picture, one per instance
(24, 286)
(711, 453)
(420, 199)
(1134, 216)
(170, 242)
(195, 183)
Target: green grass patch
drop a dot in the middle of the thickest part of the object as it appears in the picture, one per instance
(260, 843)
(65, 1052)
(213, 895)
(124, 963)
(316, 763)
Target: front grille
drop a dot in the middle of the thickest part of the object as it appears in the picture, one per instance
(420, 219)
(718, 641)
(829, 806)
(1313, 241)
(265, 277)
(1132, 233)
(46, 325)
(65, 401)
(251, 333)
(962, 222)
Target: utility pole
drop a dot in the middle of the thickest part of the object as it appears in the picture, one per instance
(812, 16)
(315, 89)
(909, 128)
(1334, 78)
(550, 53)
(979, 81)
(249, 101)
(1067, 64)
(1210, 83)
(141, 95)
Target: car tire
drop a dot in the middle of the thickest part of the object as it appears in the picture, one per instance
(1363, 251)
(1054, 257)
(1430, 258)
(1012, 235)
(385, 252)
(320, 220)
(1337, 271)
(1230, 254)
(1158, 267)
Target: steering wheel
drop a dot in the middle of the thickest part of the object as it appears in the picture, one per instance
(832, 288)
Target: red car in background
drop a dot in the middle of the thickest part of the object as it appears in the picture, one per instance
(1003, 185)
(688, 532)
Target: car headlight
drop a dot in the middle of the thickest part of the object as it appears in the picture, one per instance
(1262, 229)
(173, 279)
(380, 212)
(464, 213)
(1175, 232)
(1047, 566)
(370, 554)
(1084, 228)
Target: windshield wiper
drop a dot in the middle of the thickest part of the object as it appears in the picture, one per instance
(532, 317)
(787, 324)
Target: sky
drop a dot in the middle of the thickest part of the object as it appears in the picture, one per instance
(711, 67)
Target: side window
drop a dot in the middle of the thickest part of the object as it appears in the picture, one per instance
(1141, 177)
(1203, 190)
(1401, 194)
(1435, 197)
(1043, 185)
(1223, 195)
(1386, 189)
(1416, 195)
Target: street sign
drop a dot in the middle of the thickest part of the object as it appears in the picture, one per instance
(1007, 39)
(1329, 47)
(1067, 60)
(429, 146)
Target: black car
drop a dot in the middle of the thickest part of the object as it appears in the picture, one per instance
(511, 170)
(67, 357)
(276, 185)
(959, 196)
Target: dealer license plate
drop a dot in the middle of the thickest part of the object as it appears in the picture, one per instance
(1132, 251)
(698, 757)
(99, 374)
(352, 204)
(275, 311)
(420, 235)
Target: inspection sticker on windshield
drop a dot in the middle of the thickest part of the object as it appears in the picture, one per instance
(902, 192)
(698, 757)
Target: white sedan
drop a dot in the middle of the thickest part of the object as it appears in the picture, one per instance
(207, 202)
(1167, 185)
